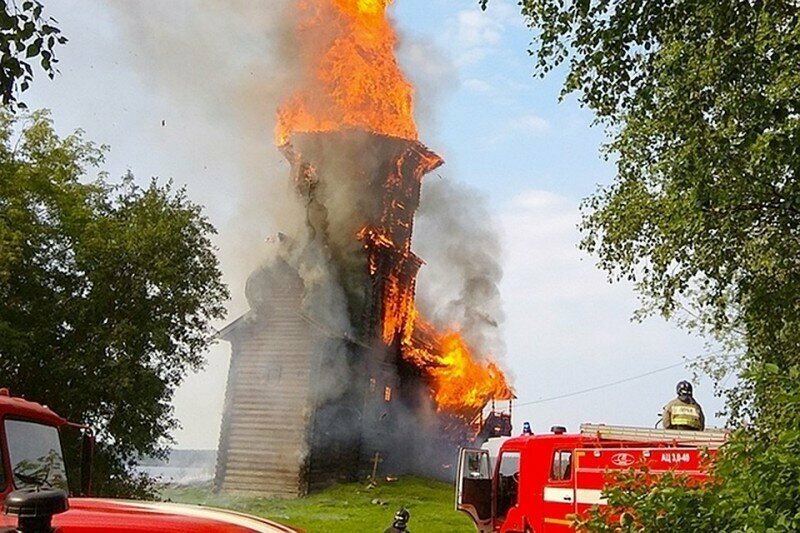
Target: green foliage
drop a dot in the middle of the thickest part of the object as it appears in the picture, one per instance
(106, 291)
(347, 507)
(45, 471)
(640, 505)
(701, 100)
(701, 103)
(25, 35)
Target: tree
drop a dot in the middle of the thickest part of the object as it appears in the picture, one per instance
(106, 292)
(701, 102)
(25, 34)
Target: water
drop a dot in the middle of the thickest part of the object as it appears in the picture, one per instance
(184, 467)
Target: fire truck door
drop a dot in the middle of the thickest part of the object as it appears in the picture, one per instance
(559, 493)
(474, 487)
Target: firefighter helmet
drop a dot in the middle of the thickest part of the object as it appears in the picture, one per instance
(401, 518)
(684, 388)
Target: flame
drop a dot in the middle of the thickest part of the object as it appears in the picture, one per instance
(461, 381)
(352, 77)
(461, 384)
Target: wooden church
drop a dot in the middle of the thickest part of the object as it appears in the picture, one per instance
(306, 406)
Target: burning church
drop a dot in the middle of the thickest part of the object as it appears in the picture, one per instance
(333, 371)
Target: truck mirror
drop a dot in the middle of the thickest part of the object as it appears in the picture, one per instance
(35, 507)
(88, 444)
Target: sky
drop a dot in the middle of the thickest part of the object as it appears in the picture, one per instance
(147, 89)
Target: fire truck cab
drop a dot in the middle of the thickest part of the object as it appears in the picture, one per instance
(34, 489)
(538, 481)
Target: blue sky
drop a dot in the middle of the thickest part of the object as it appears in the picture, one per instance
(502, 128)
(185, 90)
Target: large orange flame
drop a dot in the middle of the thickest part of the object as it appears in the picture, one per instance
(462, 385)
(461, 381)
(353, 79)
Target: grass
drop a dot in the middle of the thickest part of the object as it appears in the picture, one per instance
(347, 508)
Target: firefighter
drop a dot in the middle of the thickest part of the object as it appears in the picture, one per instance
(526, 429)
(684, 412)
(400, 524)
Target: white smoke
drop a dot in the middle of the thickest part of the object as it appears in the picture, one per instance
(227, 61)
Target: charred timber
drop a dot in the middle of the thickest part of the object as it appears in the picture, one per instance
(374, 181)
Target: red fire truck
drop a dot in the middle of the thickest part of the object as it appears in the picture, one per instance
(33, 486)
(537, 481)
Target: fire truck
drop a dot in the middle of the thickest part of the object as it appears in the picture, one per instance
(34, 486)
(537, 481)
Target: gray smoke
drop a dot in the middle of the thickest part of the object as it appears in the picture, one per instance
(324, 301)
(460, 243)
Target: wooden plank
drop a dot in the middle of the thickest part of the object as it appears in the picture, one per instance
(276, 423)
(268, 424)
(264, 393)
(276, 473)
(278, 389)
(257, 491)
(302, 414)
(265, 454)
(260, 440)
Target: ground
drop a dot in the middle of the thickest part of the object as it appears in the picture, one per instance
(347, 508)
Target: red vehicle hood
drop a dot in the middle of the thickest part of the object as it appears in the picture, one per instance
(88, 515)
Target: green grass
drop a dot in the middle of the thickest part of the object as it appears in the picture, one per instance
(347, 508)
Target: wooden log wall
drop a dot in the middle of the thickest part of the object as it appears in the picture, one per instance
(263, 444)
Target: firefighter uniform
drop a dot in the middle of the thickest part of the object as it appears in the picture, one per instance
(682, 414)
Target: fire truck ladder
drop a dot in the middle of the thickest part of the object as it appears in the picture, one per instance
(711, 438)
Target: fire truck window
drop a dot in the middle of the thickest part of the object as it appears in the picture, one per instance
(562, 466)
(507, 483)
(478, 466)
(35, 453)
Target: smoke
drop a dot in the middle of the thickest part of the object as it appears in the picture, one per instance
(323, 300)
(181, 467)
(455, 233)
(459, 286)
(434, 77)
(225, 62)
